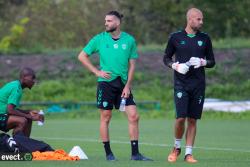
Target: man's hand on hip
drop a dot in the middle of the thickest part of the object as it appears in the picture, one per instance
(103, 74)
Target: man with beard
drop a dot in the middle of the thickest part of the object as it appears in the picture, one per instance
(118, 54)
(193, 52)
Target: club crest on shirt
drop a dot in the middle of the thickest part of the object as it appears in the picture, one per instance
(200, 43)
(182, 42)
(124, 46)
(116, 46)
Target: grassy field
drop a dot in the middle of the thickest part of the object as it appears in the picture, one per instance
(218, 143)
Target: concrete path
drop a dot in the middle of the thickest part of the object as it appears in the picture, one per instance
(226, 106)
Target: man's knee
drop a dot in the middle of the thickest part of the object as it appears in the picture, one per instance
(180, 121)
(22, 122)
(191, 122)
(133, 117)
(106, 116)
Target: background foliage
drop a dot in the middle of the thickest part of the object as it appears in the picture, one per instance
(69, 24)
(47, 35)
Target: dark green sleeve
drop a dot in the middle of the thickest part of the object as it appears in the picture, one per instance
(209, 54)
(169, 52)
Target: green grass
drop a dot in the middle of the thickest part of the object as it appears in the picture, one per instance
(152, 47)
(226, 43)
(229, 43)
(218, 143)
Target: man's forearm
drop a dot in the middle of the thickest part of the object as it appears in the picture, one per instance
(168, 61)
(82, 57)
(23, 111)
(19, 113)
(210, 63)
(131, 73)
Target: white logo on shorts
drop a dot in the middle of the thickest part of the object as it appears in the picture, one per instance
(105, 104)
(179, 95)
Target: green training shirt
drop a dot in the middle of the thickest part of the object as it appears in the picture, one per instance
(10, 93)
(114, 54)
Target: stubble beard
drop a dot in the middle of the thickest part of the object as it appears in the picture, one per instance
(112, 29)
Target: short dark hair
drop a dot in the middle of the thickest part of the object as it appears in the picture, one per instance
(115, 13)
(27, 72)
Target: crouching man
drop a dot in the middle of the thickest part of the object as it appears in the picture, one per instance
(11, 117)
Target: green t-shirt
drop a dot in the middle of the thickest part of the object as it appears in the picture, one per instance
(114, 54)
(10, 93)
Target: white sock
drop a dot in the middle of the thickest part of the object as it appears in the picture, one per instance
(177, 143)
(189, 150)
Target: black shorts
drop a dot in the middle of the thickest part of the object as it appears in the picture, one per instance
(3, 122)
(109, 94)
(189, 103)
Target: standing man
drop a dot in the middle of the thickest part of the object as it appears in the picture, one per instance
(193, 52)
(11, 117)
(118, 54)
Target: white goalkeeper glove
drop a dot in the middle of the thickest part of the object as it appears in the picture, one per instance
(181, 68)
(197, 62)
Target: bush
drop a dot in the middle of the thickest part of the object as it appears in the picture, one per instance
(13, 41)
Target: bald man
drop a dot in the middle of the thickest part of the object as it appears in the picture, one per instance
(118, 54)
(193, 53)
(11, 116)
